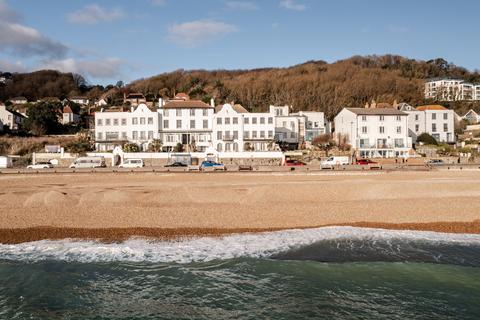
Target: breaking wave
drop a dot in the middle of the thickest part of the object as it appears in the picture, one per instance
(327, 244)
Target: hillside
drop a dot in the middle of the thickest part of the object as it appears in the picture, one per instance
(314, 85)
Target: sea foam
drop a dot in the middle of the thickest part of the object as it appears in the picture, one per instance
(203, 249)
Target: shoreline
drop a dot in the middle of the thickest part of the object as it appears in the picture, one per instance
(109, 235)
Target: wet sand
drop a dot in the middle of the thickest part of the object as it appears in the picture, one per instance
(113, 207)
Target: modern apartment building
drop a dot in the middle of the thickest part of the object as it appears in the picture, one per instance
(451, 90)
(375, 132)
(436, 120)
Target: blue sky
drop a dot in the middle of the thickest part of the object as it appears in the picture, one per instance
(125, 40)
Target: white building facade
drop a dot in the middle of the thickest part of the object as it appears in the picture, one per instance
(451, 90)
(374, 132)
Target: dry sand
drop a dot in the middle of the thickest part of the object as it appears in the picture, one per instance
(114, 206)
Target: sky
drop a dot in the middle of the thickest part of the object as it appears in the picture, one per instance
(113, 40)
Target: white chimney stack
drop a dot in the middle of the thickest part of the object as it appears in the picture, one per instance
(160, 102)
(212, 102)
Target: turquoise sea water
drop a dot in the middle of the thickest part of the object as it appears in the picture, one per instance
(327, 273)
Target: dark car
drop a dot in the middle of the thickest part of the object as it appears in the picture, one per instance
(176, 164)
(435, 162)
(365, 162)
(292, 163)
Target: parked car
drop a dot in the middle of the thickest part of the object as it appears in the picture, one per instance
(366, 162)
(213, 165)
(334, 161)
(40, 165)
(132, 163)
(292, 163)
(435, 162)
(89, 162)
(176, 164)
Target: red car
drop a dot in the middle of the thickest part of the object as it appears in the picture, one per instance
(292, 163)
(365, 162)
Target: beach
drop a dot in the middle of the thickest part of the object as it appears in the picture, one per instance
(114, 206)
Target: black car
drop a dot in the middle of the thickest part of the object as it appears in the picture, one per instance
(433, 162)
(176, 164)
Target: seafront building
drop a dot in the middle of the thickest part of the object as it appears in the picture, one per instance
(451, 90)
(435, 120)
(374, 132)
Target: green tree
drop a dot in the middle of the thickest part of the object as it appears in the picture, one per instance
(131, 147)
(155, 145)
(178, 147)
(427, 139)
(42, 118)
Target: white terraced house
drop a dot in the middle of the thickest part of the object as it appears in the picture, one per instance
(378, 132)
(436, 120)
(185, 121)
(139, 125)
(235, 129)
(451, 90)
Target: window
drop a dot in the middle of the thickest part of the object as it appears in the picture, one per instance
(115, 122)
(192, 112)
(142, 120)
(247, 120)
(416, 117)
(142, 135)
(381, 129)
(107, 122)
(262, 134)
(135, 135)
(399, 129)
(434, 116)
(165, 124)
(292, 135)
(227, 120)
(262, 120)
(205, 112)
(270, 134)
(445, 127)
(364, 118)
(192, 124)
(219, 120)
(246, 134)
(417, 127)
(284, 124)
(445, 116)
(270, 120)
(399, 118)
(150, 135)
(165, 112)
(254, 120)
(399, 143)
(227, 147)
(235, 134)
(205, 124)
(382, 118)
(150, 120)
(134, 120)
(292, 125)
(219, 135)
(235, 120)
(254, 134)
(99, 136)
(124, 122)
(179, 124)
(434, 127)
(178, 112)
(219, 147)
(124, 135)
(99, 122)
(364, 129)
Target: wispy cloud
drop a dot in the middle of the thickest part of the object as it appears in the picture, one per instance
(292, 5)
(241, 5)
(93, 14)
(18, 39)
(12, 66)
(107, 68)
(158, 3)
(195, 33)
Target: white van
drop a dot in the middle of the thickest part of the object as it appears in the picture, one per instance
(334, 161)
(89, 162)
(132, 163)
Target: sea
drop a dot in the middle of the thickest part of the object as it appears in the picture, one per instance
(322, 273)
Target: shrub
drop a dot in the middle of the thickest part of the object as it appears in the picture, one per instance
(178, 147)
(155, 145)
(131, 147)
(79, 146)
(427, 139)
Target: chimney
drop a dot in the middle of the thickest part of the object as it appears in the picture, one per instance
(132, 109)
(160, 102)
(212, 103)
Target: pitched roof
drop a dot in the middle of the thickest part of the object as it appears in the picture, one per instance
(376, 111)
(182, 95)
(190, 104)
(236, 107)
(431, 107)
(67, 109)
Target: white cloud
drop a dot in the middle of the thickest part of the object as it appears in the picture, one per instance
(194, 33)
(7, 66)
(158, 3)
(292, 5)
(241, 5)
(99, 69)
(93, 14)
(18, 39)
